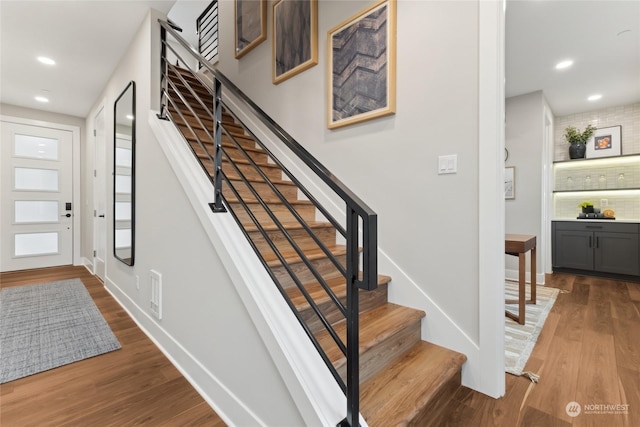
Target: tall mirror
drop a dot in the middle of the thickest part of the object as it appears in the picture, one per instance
(124, 131)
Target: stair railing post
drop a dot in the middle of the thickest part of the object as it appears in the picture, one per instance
(353, 353)
(164, 74)
(217, 205)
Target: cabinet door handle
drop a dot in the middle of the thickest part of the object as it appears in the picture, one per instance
(597, 227)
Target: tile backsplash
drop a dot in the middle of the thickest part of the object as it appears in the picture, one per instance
(614, 181)
(626, 204)
(627, 116)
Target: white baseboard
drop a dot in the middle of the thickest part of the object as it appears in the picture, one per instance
(207, 385)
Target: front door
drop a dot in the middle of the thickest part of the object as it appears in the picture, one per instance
(36, 222)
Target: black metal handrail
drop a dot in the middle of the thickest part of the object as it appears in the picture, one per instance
(356, 210)
(207, 29)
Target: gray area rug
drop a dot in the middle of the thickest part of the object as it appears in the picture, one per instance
(521, 339)
(49, 325)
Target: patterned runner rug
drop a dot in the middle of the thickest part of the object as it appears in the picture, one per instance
(520, 339)
(49, 325)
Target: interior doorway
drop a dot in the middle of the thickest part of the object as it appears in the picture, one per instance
(100, 203)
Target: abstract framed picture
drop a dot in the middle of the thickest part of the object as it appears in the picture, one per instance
(250, 25)
(510, 182)
(295, 37)
(362, 66)
(605, 142)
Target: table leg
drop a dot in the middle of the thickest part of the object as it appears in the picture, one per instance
(521, 288)
(533, 275)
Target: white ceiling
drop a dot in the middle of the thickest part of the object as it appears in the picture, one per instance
(87, 39)
(601, 37)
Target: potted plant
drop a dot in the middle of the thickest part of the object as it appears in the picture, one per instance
(587, 206)
(578, 140)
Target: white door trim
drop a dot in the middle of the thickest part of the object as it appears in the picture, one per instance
(491, 216)
(96, 193)
(77, 206)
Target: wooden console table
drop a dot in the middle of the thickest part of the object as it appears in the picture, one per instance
(518, 245)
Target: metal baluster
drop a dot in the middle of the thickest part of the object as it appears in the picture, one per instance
(217, 205)
(353, 354)
(164, 70)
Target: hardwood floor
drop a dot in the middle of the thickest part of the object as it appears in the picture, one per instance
(588, 352)
(136, 385)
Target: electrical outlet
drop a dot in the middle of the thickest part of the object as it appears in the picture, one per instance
(604, 203)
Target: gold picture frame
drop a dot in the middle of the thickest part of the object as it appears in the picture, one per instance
(250, 29)
(374, 68)
(295, 40)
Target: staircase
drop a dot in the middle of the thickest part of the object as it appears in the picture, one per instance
(403, 380)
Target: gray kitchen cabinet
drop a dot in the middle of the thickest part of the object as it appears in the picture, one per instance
(593, 246)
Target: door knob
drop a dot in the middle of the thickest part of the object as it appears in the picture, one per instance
(101, 216)
(68, 215)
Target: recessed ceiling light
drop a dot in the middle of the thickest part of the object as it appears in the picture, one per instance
(564, 64)
(129, 116)
(41, 99)
(46, 60)
(594, 97)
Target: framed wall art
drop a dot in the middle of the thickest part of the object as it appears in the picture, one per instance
(361, 66)
(510, 182)
(250, 25)
(606, 142)
(295, 37)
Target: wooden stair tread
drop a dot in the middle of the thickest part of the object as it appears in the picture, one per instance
(292, 256)
(398, 393)
(375, 326)
(276, 182)
(273, 200)
(290, 225)
(319, 295)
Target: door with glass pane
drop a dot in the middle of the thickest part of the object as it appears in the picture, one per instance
(37, 190)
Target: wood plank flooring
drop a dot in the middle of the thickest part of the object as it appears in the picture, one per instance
(136, 385)
(588, 352)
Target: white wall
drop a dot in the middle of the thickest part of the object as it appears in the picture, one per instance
(429, 224)
(524, 139)
(205, 328)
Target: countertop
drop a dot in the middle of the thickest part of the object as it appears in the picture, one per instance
(626, 221)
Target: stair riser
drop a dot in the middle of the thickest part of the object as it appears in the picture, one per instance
(431, 412)
(232, 152)
(236, 154)
(247, 196)
(281, 212)
(378, 356)
(301, 237)
(204, 96)
(290, 192)
(323, 266)
(368, 300)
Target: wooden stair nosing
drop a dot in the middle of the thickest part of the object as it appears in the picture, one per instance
(399, 393)
(319, 295)
(376, 326)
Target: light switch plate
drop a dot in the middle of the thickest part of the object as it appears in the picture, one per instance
(447, 164)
